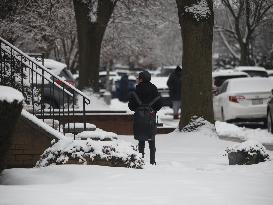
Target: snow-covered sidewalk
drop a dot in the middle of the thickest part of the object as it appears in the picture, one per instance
(191, 169)
(233, 132)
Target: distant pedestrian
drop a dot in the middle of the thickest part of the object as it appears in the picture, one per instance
(145, 101)
(124, 88)
(174, 84)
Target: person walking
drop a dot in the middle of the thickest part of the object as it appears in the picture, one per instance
(124, 88)
(174, 84)
(145, 101)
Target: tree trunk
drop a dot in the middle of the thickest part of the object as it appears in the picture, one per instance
(245, 54)
(197, 35)
(90, 36)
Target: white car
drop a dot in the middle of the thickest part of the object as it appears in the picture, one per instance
(243, 99)
(253, 71)
(220, 76)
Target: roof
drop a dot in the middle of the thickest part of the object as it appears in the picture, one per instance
(250, 68)
(251, 84)
(229, 72)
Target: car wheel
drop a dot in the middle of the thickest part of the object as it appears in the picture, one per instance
(269, 123)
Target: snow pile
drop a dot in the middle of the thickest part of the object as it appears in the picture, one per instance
(249, 152)
(97, 134)
(224, 129)
(10, 94)
(106, 153)
(199, 11)
(249, 146)
(198, 124)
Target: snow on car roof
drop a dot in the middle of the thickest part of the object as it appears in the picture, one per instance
(52, 64)
(229, 72)
(112, 73)
(256, 84)
(250, 68)
(55, 66)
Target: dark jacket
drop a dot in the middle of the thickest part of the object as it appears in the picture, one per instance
(174, 84)
(146, 91)
(123, 88)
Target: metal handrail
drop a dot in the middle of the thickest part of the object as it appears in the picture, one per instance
(37, 72)
(13, 66)
(45, 69)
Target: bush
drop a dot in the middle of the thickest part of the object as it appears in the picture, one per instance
(115, 153)
(247, 153)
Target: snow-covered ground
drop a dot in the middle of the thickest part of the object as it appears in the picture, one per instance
(191, 169)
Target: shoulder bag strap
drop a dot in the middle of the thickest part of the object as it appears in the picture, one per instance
(154, 100)
(137, 98)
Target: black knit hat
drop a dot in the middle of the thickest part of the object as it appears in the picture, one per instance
(145, 76)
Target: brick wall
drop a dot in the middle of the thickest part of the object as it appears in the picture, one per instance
(121, 124)
(28, 142)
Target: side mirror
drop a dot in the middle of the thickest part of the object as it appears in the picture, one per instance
(215, 91)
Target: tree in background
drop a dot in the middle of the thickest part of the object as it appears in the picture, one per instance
(140, 33)
(92, 17)
(43, 26)
(196, 18)
(244, 19)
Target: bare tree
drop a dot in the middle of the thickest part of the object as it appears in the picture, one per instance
(243, 21)
(92, 17)
(45, 26)
(196, 19)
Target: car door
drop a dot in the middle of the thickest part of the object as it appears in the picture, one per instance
(218, 101)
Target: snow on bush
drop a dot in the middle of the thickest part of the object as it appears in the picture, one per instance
(115, 153)
(97, 134)
(199, 11)
(197, 123)
(248, 152)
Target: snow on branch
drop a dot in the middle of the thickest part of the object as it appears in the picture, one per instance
(199, 11)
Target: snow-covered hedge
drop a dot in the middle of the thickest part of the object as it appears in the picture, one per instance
(115, 153)
(248, 152)
(197, 123)
(97, 134)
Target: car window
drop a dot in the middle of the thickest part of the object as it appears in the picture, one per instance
(219, 80)
(256, 73)
(223, 88)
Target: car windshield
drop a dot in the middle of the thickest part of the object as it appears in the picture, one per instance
(219, 80)
(254, 73)
(66, 74)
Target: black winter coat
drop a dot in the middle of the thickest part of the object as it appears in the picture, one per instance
(174, 84)
(146, 91)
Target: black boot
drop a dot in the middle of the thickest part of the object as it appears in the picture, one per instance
(141, 147)
(152, 152)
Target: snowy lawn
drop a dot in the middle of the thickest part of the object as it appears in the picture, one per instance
(191, 169)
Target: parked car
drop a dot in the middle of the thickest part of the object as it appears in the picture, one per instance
(165, 71)
(253, 71)
(219, 77)
(161, 84)
(270, 73)
(56, 99)
(269, 114)
(243, 100)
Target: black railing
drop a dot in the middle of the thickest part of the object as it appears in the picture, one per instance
(41, 88)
